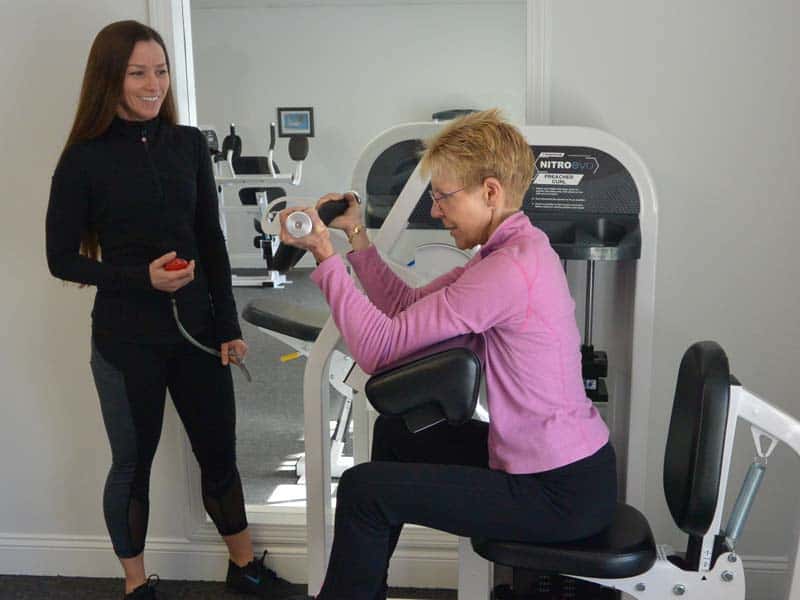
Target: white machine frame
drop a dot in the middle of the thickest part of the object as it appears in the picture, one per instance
(474, 572)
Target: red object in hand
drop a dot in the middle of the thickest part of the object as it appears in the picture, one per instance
(176, 264)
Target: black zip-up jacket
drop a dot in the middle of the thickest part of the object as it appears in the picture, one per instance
(146, 188)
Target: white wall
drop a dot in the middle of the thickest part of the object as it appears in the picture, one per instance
(363, 66)
(53, 448)
(707, 93)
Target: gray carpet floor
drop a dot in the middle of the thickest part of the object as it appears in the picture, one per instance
(25, 587)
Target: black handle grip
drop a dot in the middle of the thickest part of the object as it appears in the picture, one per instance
(330, 210)
(288, 256)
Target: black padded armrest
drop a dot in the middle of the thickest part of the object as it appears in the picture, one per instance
(301, 322)
(440, 387)
(299, 310)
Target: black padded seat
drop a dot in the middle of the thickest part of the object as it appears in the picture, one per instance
(625, 549)
(301, 322)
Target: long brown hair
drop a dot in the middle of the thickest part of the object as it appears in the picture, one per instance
(101, 91)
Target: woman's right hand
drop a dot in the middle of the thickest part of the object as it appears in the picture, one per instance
(318, 241)
(169, 281)
(348, 219)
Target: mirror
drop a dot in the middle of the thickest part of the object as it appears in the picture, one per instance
(363, 67)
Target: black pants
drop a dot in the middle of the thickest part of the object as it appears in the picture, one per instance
(440, 478)
(132, 381)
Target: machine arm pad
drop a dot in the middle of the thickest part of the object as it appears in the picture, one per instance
(435, 388)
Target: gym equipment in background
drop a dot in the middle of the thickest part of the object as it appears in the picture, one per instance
(232, 143)
(212, 141)
(248, 187)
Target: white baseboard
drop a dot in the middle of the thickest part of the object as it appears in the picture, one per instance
(424, 559)
(767, 577)
(93, 556)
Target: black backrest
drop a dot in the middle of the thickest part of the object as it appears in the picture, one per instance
(695, 442)
(248, 195)
(253, 165)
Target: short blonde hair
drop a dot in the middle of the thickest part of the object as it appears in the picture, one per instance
(480, 145)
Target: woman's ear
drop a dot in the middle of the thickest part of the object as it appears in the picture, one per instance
(493, 193)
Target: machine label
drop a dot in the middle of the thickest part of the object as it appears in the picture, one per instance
(577, 179)
(557, 179)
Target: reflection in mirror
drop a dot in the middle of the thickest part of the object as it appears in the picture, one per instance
(362, 67)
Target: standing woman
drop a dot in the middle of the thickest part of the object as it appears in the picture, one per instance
(132, 191)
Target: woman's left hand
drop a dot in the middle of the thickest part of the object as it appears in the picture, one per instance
(318, 242)
(233, 351)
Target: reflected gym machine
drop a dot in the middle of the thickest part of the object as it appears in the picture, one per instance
(248, 187)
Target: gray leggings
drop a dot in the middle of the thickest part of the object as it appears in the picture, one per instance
(132, 380)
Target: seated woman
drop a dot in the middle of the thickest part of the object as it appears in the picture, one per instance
(542, 469)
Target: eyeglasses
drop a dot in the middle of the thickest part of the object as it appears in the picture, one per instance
(437, 199)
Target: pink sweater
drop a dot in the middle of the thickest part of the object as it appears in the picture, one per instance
(514, 294)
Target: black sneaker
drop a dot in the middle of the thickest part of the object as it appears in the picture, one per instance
(146, 591)
(257, 580)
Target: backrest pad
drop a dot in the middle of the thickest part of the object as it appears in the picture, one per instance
(695, 442)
